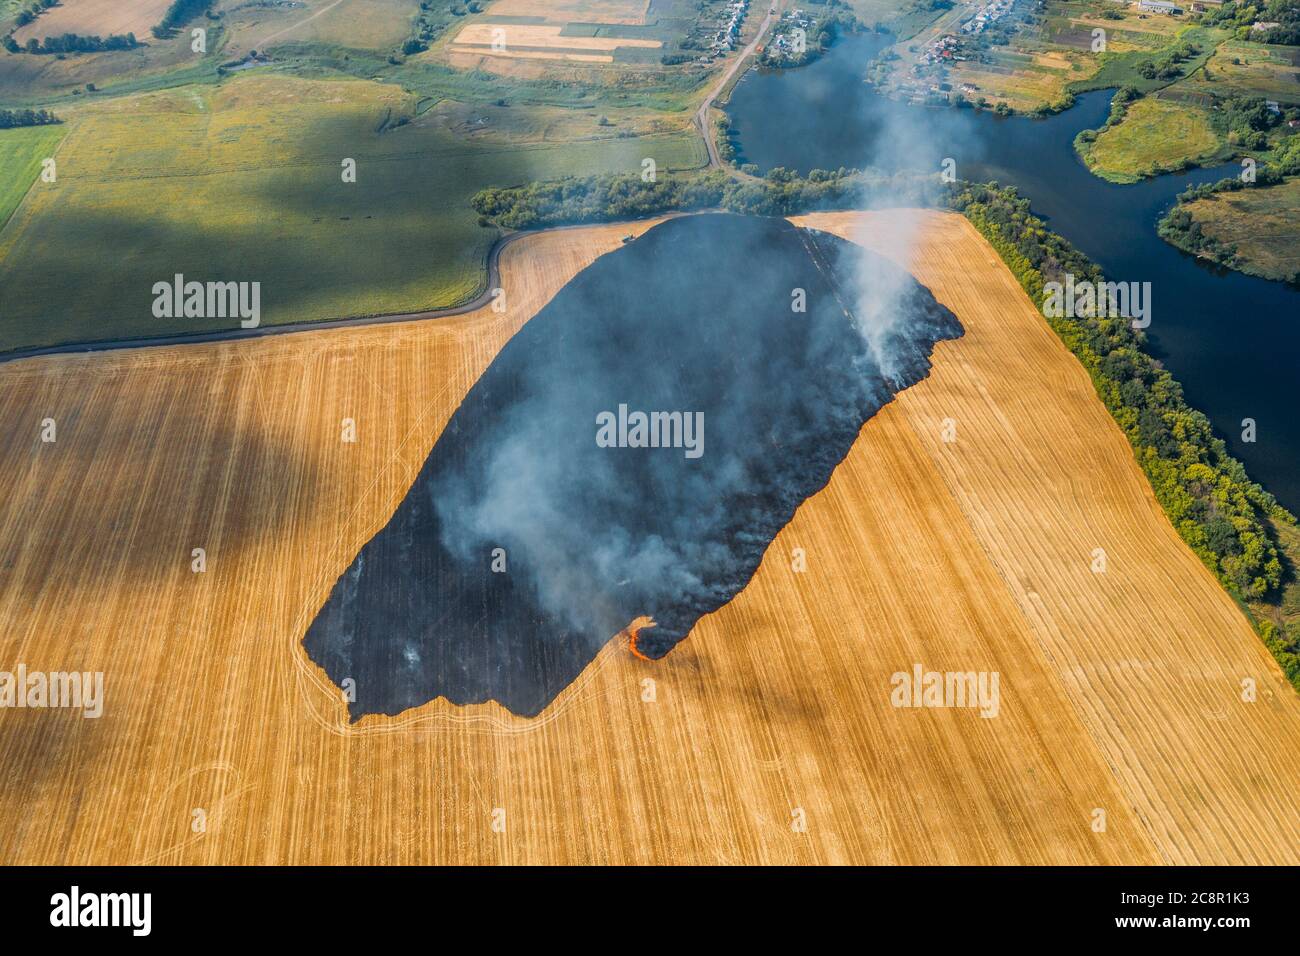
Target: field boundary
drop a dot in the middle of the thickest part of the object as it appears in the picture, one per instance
(1278, 643)
(381, 318)
(18, 206)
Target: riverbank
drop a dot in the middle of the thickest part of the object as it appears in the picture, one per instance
(722, 87)
(1229, 521)
(1251, 230)
(823, 117)
(1237, 529)
(1145, 137)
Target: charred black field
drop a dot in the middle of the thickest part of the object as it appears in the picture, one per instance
(632, 451)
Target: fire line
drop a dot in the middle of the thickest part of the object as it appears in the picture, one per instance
(634, 632)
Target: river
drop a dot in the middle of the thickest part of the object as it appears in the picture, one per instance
(1232, 340)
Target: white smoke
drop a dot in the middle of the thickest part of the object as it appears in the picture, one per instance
(903, 145)
(882, 283)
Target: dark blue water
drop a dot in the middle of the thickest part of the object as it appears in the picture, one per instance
(1233, 341)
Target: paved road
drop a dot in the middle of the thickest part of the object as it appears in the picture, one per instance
(702, 114)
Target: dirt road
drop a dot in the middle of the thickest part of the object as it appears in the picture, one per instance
(702, 114)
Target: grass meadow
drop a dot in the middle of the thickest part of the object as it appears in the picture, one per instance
(1261, 223)
(1251, 69)
(21, 153)
(1154, 135)
(1024, 80)
(244, 182)
(1124, 68)
(366, 24)
(1050, 58)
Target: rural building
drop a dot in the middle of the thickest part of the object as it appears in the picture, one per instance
(986, 15)
(1158, 6)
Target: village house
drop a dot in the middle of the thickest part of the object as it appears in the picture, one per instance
(729, 33)
(985, 15)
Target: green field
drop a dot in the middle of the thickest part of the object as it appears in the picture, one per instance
(1050, 55)
(366, 24)
(1251, 69)
(27, 80)
(904, 18)
(1124, 69)
(21, 153)
(373, 27)
(243, 182)
(1261, 223)
(1155, 135)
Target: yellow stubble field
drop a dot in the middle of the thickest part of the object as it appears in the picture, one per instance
(96, 18)
(770, 736)
(623, 12)
(532, 42)
(529, 35)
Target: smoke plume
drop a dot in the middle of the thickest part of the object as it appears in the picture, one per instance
(525, 544)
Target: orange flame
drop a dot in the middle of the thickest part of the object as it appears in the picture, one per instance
(633, 632)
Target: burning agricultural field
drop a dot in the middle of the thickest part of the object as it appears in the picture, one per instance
(627, 458)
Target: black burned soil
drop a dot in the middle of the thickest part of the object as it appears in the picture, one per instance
(525, 544)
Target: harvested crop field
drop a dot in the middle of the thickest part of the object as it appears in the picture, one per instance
(96, 18)
(420, 615)
(1120, 690)
(626, 12)
(365, 24)
(468, 58)
(543, 37)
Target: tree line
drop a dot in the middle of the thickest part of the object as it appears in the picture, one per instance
(73, 43)
(31, 12)
(612, 197)
(1227, 519)
(1180, 228)
(177, 14)
(12, 119)
(1240, 17)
